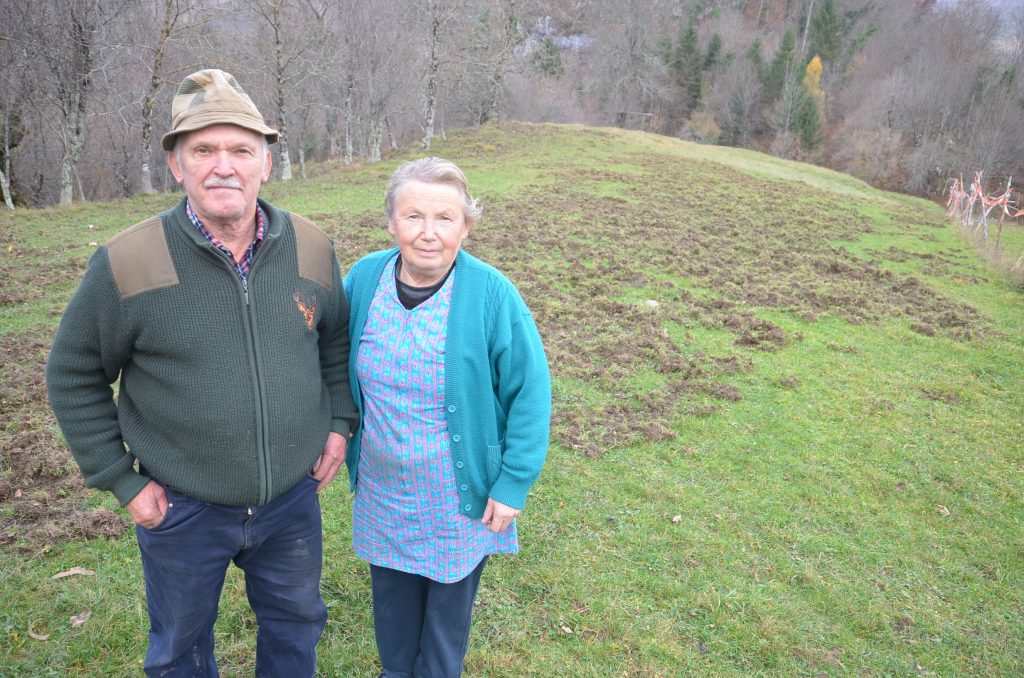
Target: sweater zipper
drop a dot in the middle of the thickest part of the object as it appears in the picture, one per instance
(262, 432)
(252, 350)
(263, 454)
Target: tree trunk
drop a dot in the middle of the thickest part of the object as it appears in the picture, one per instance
(6, 188)
(149, 101)
(302, 161)
(501, 65)
(73, 147)
(432, 68)
(807, 28)
(374, 137)
(331, 123)
(73, 104)
(348, 123)
(6, 172)
(286, 161)
(391, 136)
(124, 172)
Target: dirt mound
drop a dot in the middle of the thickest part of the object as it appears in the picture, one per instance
(744, 242)
(41, 490)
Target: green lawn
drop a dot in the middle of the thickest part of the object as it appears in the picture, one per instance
(788, 429)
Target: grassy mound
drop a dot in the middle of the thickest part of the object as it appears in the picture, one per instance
(787, 431)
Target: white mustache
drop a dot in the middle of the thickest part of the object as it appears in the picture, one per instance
(225, 182)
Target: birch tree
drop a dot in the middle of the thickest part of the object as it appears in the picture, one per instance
(296, 33)
(66, 40)
(173, 19)
(278, 68)
(437, 15)
(382, 61)
(9, 94)
(5, 157)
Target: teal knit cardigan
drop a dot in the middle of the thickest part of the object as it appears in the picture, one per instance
(497, 383)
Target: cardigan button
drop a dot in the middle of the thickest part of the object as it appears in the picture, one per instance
(451, 408)
(456, 438)
(465, 487)
(469, 506)
(459, 464)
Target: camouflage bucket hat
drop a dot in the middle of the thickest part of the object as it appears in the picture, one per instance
(213, 97)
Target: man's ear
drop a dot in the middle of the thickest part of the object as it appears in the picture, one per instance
(267, 166)
(172, 162)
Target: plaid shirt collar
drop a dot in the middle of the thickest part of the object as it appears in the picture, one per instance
(241, 267)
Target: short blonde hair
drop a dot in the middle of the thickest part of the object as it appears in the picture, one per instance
(431, 170)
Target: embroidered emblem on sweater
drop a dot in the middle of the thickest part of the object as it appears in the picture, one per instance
(308, 310)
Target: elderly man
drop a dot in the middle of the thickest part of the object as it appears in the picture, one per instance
(225, 322)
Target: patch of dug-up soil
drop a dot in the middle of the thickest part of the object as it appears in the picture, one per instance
(574, 256)
(23, 280)
(748, 241)
(41, 492)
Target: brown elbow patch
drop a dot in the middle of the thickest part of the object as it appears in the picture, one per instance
(140, 260)
(315, 252)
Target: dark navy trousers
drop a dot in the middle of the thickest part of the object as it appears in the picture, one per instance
(422, 626)
(279, 546)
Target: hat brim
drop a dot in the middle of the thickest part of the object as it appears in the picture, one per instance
(201, 120)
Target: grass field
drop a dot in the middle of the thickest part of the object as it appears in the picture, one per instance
(788, 428)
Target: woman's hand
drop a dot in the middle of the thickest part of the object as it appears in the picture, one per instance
(498, 516)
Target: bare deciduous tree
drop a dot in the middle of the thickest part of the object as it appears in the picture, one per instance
(626, 72)
(66, 39)
(437, 15)
(173, 17)
(914, 91)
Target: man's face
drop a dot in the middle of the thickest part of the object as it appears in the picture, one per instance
(221, 168)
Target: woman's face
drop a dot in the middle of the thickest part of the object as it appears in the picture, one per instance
(429, 227)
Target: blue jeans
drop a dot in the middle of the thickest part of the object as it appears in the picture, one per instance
(422, 626)
(185, 558)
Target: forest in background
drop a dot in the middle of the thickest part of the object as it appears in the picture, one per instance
(901, 93)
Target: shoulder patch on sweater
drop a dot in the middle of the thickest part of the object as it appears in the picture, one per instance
(314, 250)
(140, 260)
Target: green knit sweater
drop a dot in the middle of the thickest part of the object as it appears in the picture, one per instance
(225, 394)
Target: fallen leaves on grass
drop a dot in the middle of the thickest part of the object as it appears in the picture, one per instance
(37, 636)
(942, 510)
(80, 619)
(72, 572)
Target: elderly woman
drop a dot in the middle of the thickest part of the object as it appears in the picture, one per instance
(455, 396)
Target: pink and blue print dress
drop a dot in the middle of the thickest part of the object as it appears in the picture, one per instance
(406, 513)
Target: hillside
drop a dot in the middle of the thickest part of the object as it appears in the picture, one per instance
(787, 431)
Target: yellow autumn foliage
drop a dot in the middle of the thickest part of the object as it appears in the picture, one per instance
(812, 82)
